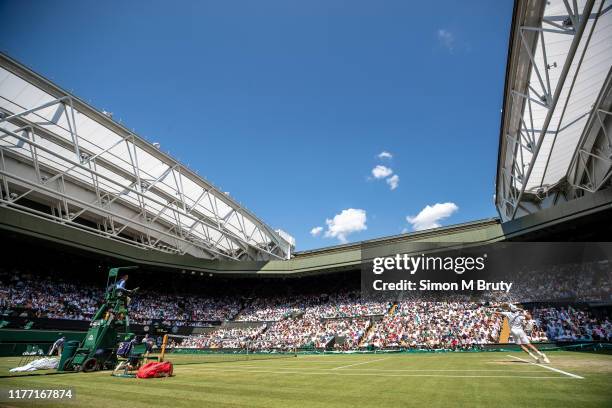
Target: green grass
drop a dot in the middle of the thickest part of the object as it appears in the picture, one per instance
(374, 380)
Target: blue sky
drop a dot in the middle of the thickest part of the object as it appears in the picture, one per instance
(287, 104)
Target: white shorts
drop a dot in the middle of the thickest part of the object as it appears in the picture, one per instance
(519, 336)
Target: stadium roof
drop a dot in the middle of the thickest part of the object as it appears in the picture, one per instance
(558, 79)
(93, 170)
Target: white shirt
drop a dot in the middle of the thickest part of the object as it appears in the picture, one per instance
(515, 319)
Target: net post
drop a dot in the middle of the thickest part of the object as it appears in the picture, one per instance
(163, 348)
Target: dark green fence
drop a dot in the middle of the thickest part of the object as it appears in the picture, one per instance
(14, 342)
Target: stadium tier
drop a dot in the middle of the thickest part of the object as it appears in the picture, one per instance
(325, 312)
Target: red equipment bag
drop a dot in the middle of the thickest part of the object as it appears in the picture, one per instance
(155, 370)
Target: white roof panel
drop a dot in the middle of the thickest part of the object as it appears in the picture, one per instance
(233, 226)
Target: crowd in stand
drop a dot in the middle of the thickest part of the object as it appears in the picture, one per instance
(435, 325)
(350, 332)
(585, 282)
(341, 304)
(346, 305)
(288, 334)
(180, 310)
(339, 319)
(229, 338)
(52, 299)
(312, 332)
(570, 324)
(268, 310)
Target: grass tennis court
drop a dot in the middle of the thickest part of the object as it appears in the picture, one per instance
(499, 379)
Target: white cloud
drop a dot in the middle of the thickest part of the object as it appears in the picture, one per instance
(316, 231)
(348, 221)
(430, 216)
(385, 155)
(381, 172)
(447, 39)
(393, 181)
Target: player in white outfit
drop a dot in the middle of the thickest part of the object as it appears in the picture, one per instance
(517, 320)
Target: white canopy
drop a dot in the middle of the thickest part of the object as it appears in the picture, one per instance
(560, 64)
(73, 139)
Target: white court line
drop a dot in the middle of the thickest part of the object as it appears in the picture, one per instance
(548, 368)
(377, 374)
(363, 362)
(390, 370)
